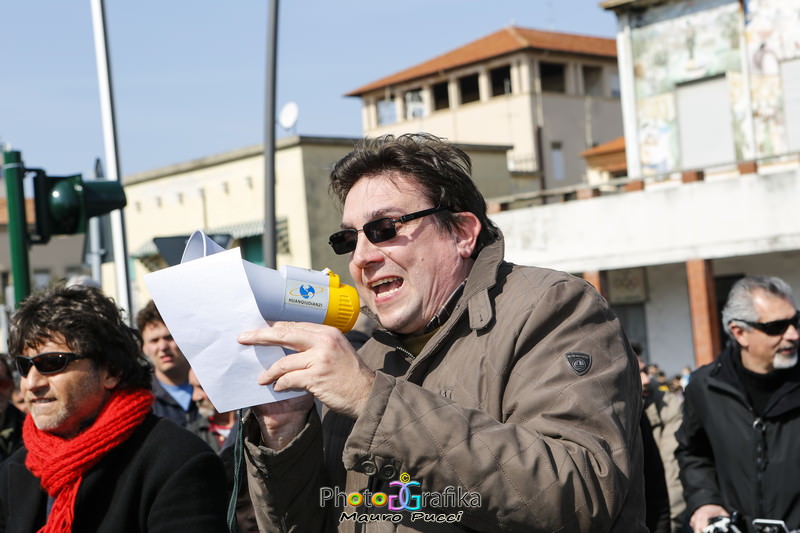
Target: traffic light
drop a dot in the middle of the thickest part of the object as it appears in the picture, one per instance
(64, 204)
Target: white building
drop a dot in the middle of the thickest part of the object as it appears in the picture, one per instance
(712, 113)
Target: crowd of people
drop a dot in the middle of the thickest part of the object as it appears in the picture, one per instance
(498, 397)
(658, 378)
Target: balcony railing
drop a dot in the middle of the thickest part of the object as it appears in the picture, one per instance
(625, 184)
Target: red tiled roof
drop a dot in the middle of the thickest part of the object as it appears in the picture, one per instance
(505, 41)
(617, 145)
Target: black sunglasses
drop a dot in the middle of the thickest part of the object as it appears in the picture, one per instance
(383, 229)
(46, 363)
(776, 327)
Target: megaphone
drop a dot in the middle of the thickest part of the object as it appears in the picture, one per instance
(290, 293)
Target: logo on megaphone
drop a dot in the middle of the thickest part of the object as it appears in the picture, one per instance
(306, 291)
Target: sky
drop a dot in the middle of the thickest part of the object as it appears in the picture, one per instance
(188, 76)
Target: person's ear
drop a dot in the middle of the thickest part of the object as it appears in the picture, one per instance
(739, 333)
(466, 231)
(110, 380)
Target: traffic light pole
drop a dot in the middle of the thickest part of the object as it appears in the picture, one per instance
(123, 282)
(14, 173)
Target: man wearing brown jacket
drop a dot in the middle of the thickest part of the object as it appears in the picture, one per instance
(493, 397)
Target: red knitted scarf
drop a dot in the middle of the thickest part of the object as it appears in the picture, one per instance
(60, 463)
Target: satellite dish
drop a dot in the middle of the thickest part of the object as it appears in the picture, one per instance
(288, 115)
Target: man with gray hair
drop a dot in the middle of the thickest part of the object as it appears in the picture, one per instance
(741, 424)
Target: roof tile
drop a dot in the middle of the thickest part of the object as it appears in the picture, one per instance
(506, 41)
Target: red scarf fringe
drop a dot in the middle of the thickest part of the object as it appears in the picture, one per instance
(61, 463)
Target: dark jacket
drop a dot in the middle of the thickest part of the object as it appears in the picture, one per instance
(165, 406)
(11, 431)
(162, 479)
(528, 395)
(655, 483)
(729, 456)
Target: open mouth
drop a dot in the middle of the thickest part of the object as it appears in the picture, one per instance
(41, 401)
(386, 285)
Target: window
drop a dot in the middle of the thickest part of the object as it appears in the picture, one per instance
(615, 92)
(468, 87)
(703, 113)
(387, 114)
(415, 107)
(553, 77)
(558, 169)
(790, 78)
(501, 80)
(253, 247)
(592, 81)
(282, 235)
(441, 96)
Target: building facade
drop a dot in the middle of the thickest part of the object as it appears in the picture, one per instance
(224, 194)
(710, 103)
(547, 95)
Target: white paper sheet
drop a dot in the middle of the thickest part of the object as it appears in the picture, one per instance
(206, 302)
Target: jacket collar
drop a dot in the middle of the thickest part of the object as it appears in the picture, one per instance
(482, 278)
(725, 376)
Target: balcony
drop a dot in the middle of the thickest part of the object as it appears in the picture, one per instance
(623, 223)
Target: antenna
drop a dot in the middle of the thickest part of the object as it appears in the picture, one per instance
(288, 116)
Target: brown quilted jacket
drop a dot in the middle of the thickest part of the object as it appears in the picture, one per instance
(528, 395)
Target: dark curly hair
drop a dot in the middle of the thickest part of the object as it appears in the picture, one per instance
(89, 323)
(442, 169)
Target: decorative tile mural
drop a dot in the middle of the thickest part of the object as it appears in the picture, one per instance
(698, 39)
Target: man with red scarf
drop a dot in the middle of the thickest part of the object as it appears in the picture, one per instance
(95, 459)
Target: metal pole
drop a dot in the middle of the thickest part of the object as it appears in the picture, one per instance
(14, 172)
(110, 144)
(95, 251)
(269, 137)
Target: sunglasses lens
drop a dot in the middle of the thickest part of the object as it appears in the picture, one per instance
(380, 230)
(23, 366)
(775, 328)
(343, 242)
(50, 363)
(46, 363)
(779, 327)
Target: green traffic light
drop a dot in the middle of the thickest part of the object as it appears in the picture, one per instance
(65, 204)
